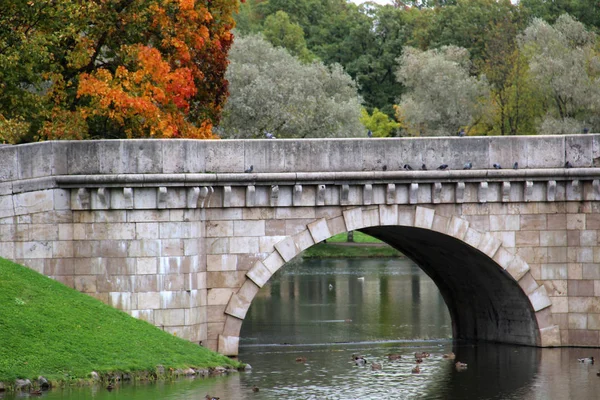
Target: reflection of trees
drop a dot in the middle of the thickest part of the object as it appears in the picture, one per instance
(395, 301)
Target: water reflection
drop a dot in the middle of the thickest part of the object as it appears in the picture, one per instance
(371, 300)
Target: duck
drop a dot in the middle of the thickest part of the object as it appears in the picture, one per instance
(110, 387)
(422, 355)
(255, 389)
(418, 360)
(393, 357)
(209, 397)
(359, 360)
(460, 366)
(450, 356)
(301, 359)
(35, 393)
(375, 366)
(586, 360)
(416, 370)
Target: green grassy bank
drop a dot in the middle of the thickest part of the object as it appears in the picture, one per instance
(51, 330)
(363, 246)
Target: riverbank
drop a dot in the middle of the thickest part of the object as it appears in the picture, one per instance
(68, 337)
(362, 246)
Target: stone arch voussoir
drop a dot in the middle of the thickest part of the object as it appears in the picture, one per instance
(353, 218)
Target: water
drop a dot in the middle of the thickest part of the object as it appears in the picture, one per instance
(374, 307)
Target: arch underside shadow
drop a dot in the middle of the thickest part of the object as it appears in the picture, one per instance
(485, 302)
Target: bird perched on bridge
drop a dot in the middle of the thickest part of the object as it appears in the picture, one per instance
(250, 169)
(384, 168)
(468, 165)
(516, 165)
(497, 166)
(568, 164)
(369, 133)
(269, 135)
(423, 167)
(442, 167)
(407, 167)
(586, 360)
(461, 133)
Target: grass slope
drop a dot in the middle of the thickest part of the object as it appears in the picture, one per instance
(49, 329)
(338, 246)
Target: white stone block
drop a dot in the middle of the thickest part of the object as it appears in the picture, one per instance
(319, 230)
(259, 274)
(228, 345)
(370, 216)
(237, 306)
(273, 262)
(539, 299)
(473, 237)
(303, 240)
(287, 249)
(550, 336)
(517, 268)
(353, 219)
(221, 262)
(424, 217)
(503, 258)
(249, 228)
(246, 244)
(266, 244)
(146, 265)
(388, 214)
(489, 245)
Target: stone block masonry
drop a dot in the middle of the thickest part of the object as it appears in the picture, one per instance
(175, 233)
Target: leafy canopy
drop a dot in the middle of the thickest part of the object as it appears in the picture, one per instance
(112, 68)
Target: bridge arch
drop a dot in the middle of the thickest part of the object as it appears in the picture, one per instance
(489, 291)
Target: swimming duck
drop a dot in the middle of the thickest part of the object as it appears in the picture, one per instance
(255, 389)
(209, 397)
(35, 393)
(422, 355)
(110, 387)
(419, 360)
(416, 370)
(375, 366)
(301, 359)
(587, 360)
(359, 360)
(393, 357)
(460, 366)
(450, 356)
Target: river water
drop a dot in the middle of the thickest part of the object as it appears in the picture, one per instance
(325, 311)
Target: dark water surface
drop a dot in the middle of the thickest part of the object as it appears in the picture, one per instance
(373, 308)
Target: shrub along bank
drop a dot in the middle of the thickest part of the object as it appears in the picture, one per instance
(49, 329)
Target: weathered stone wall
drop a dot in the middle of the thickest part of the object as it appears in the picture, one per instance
(174, 233)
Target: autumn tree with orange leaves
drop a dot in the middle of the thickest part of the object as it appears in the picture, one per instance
(76, 69)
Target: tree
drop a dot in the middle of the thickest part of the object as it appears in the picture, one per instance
(113, 68)
(378, 123)
(565, 68)
(442, 97)
(281, 32)
(272, 91)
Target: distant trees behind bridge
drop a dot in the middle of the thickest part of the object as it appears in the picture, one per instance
(435, 67)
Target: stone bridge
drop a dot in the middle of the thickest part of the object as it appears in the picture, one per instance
(176, 233)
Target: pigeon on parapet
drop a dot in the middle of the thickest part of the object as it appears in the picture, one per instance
(497, 166)
(424, 167)
(384, 168)
(369, 133)
(516, 165)
(269, 135)
(568, 164)
(249, 169)
(442, 167)
(468, 165)
(407, 167)
(461, 133)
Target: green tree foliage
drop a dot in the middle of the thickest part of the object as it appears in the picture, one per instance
(272, 91)
(565, 68)
(585, 11)
(378, 123)
(281, 32)
(442, 97)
